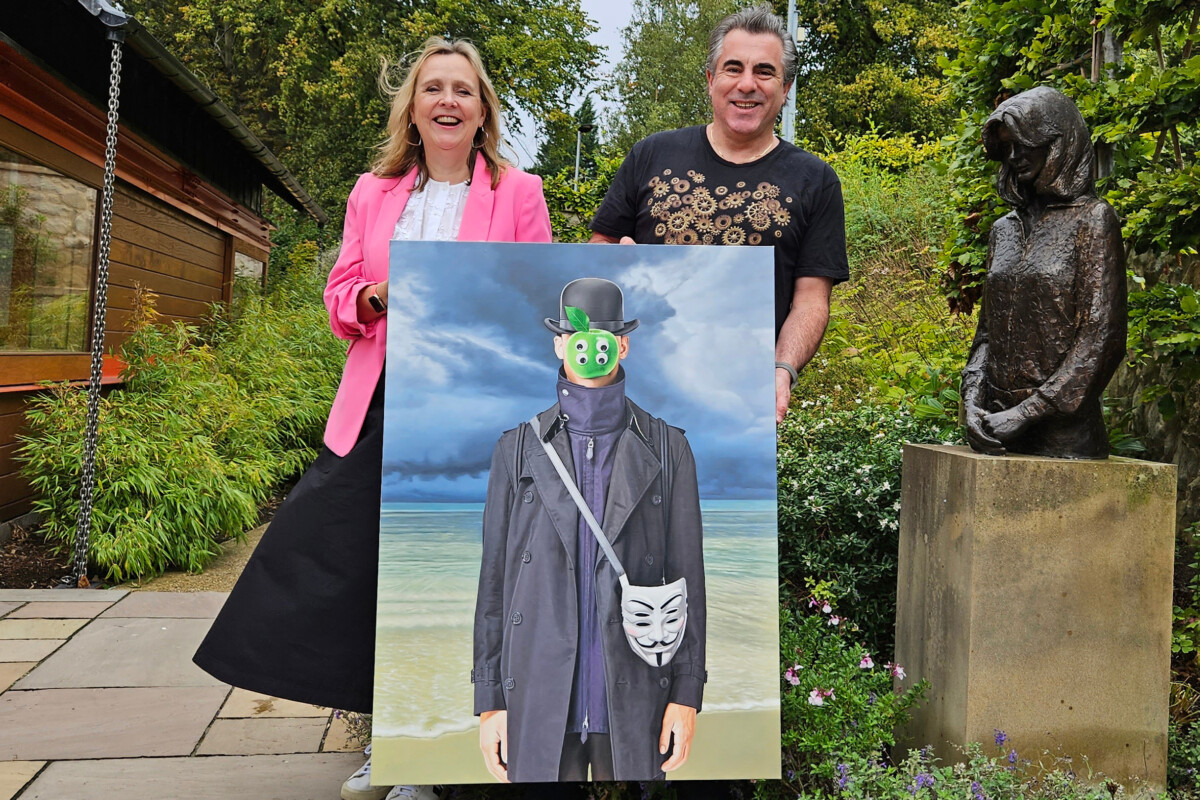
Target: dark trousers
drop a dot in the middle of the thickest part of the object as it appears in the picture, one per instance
(577, 755)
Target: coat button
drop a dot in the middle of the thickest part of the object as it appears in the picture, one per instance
(509, 683)
(516, 618)
(664, 682)
(526, 556)
(527, 497)
(649, 560)
(656, 500)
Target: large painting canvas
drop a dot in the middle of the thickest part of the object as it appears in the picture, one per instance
(468, 358)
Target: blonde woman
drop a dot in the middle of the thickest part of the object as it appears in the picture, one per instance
(300, 623)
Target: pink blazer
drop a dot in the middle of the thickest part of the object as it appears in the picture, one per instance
(515, 212)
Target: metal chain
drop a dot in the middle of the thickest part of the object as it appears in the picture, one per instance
(99, 308)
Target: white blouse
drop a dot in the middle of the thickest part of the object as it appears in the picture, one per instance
(434, 213)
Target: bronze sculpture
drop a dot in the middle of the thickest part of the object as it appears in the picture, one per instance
(1052, 325)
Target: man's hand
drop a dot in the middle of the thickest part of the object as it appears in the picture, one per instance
(600, 238)
(493, 741)
(680, 721)
(783, 394)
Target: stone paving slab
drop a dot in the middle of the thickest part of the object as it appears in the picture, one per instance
(15, 774)
(6, 608)
(125, 652)
(49, 610)
(249, 737)
(315, 776)
(11, 670)
(198, 605)
(27, 649)
(61, 595)
(54, 724)
(242, 703)
(39, 628)
(338, 740)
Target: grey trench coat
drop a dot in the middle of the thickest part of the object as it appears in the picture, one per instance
(526, 613)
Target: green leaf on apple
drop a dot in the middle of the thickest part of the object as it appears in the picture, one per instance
(578, 318)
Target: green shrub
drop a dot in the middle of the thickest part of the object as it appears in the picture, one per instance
(837, 700)
(1003, 776)
(891, 338)
(839, 506)
(207, 424)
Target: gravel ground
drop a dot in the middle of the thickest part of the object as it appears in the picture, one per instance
(219, 576)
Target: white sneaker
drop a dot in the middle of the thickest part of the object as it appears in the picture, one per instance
(358, 786)
(412, 793)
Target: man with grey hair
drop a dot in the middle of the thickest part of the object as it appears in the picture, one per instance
(735, 182)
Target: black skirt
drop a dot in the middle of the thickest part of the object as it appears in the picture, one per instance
(300, 622)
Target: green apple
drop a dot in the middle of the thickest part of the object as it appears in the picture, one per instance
(592, 353)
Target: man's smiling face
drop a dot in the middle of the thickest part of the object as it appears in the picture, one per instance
(747, 90)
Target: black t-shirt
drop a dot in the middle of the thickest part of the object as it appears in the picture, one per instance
(674, 189)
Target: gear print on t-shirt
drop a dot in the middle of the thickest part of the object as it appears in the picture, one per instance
(688, 212)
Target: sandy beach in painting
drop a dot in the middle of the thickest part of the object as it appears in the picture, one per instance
(429, 568)
(728, 744)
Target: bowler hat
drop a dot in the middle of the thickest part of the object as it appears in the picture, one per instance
(601, 300)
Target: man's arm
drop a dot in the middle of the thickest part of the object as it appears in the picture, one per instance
(801, 334)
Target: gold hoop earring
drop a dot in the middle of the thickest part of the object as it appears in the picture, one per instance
(417, 143)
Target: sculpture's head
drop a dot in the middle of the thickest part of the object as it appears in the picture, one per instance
(1043, 146)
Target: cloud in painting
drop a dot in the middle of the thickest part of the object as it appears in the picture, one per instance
(469, 356)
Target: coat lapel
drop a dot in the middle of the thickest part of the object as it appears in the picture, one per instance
(477, 216)
(555, 497)
(634, 469)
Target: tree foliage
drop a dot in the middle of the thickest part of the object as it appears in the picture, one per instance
(556, 151)
(302, 73)
(659, 83)
(872, 66)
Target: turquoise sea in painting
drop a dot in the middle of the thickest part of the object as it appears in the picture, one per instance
(429, 571)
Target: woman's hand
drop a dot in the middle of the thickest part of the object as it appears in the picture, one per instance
(493, 741)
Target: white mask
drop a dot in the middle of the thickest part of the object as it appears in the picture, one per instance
(653, 618)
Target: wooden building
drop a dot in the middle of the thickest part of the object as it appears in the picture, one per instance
(187, 211)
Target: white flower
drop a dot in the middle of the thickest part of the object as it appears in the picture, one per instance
(815, 698)
(886, 486)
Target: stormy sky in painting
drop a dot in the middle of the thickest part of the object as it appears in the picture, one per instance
(469, 357)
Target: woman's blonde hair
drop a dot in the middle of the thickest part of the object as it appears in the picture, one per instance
(397, 154)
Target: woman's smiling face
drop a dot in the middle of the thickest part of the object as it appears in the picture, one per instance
(447, 108)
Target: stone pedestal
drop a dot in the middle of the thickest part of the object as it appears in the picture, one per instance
(1035, 596)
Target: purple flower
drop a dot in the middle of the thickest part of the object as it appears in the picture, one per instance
(1001, 737)
(977, 791)
(843, 772)
(1012, 756)
(872, 699)
(924, 781)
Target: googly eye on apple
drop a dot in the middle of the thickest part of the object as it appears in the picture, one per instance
(590, 347)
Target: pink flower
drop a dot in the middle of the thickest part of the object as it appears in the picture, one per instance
(817, 696)
(896, 670)
(826, 608)
(835, 620)
(866, 662)
(791, 675)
